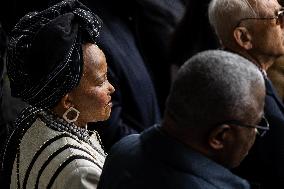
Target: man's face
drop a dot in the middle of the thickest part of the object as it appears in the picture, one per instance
(267, 35)
(241, 138)
(245, 136)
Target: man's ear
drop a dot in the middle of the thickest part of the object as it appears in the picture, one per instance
(243, 37)
(218, 136)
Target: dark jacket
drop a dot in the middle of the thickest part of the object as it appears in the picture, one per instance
(3, 44)
(155, 21)
(264, 165)
(154, 160)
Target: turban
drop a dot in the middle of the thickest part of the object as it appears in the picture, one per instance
(44, 57)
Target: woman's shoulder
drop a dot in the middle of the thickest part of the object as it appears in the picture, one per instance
(43, 140)
(47, 156)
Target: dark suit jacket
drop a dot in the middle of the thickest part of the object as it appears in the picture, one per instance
(153, 160)
(3, 44)
(155, 21)
(264, 165)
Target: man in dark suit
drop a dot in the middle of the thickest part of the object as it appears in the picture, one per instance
(210, 124)
(255, 30)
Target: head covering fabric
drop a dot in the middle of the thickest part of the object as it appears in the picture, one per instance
(45, 58)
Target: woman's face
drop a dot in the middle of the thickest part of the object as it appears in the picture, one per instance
(92, 97)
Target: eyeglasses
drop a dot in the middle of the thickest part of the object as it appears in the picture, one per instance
(279, 17)
(262, 128)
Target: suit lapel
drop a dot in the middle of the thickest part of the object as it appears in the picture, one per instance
(270, 90)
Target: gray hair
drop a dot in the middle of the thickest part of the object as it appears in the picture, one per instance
(212, 87)
(224, 15)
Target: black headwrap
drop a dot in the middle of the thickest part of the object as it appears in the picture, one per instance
(45, 55)
(44, 63)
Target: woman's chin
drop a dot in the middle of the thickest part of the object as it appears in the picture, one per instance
(104, 117)
(107, 116)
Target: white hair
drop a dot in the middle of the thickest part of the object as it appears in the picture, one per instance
(224, 15)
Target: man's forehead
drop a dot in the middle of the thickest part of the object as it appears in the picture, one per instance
(265, 7)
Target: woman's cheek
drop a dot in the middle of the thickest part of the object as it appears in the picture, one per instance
(98, 96)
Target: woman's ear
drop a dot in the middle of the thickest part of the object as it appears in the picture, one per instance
(243, 37)
(66, 101)
(218, 136)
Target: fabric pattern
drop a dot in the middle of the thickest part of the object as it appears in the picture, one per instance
(39, 74)
(56, 159)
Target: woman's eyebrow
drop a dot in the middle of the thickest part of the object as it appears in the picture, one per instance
(101, 76)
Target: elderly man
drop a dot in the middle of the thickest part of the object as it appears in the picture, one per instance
(210, 124)
(255, 30)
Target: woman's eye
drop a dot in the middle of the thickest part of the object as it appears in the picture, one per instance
(102, 80)
(101, 83)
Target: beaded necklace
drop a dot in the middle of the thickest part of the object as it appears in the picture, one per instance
(58, 124)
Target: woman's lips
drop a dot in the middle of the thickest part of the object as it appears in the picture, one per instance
(109, 104)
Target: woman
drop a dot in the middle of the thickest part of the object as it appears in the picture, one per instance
(55, 66)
